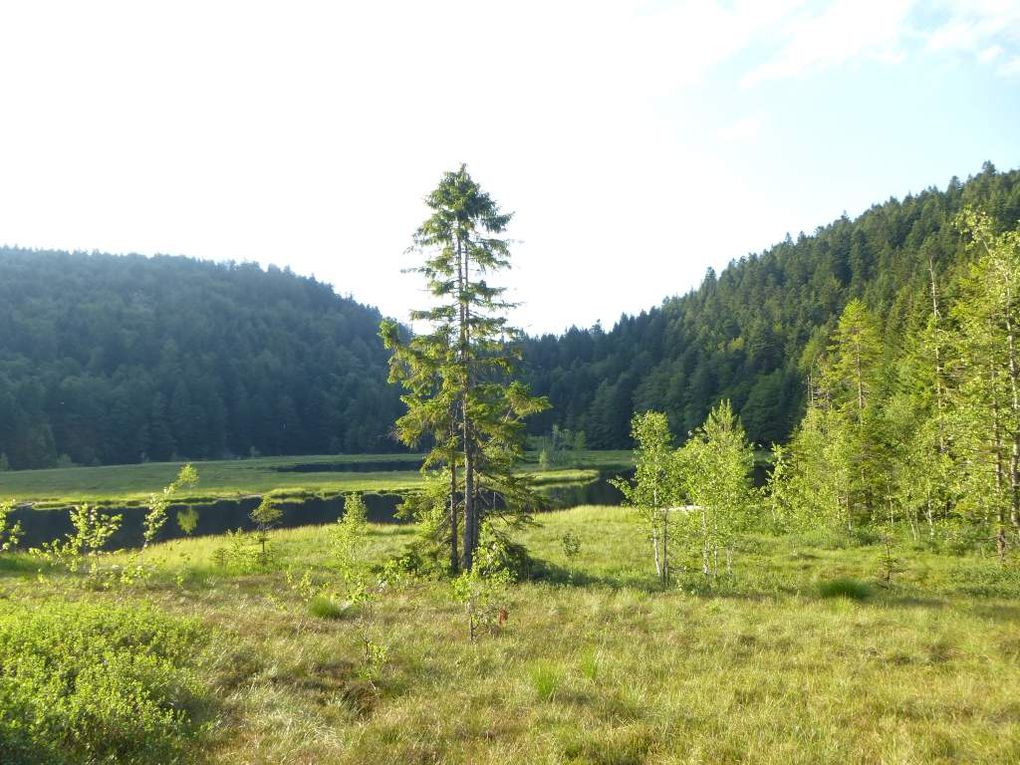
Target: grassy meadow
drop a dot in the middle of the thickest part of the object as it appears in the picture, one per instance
(802, 656)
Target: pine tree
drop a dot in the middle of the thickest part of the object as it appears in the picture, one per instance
(458, 376)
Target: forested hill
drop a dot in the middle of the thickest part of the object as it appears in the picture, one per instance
(749, 333)
(116, 359)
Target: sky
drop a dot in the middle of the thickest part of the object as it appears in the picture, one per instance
(637, 143)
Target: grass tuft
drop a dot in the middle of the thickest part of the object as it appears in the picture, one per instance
(545, 679)
(325, 607)
(844, 587)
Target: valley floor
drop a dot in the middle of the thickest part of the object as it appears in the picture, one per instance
(801, 656)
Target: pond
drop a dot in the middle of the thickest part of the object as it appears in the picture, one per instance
(224, 515)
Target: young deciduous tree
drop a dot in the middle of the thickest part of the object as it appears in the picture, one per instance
(656, 489)
(458, 376)
(716, 464)
(821, 469)
(159, 503)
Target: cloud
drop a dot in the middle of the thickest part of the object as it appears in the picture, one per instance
(988, 30)
(1011, 68)
(745, 130)
(990, 53)
(844, 30)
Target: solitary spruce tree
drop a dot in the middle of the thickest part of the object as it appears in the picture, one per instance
(458, 376)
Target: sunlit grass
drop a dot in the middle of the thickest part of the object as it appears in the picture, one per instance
(596, 663)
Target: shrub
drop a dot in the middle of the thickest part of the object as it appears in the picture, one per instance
(85, 683)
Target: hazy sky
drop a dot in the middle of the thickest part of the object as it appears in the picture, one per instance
(637, 142)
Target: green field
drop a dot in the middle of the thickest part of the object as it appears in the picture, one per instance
(803, 656)
(120, 485)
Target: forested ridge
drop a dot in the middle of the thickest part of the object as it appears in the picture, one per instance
(752, 333)
(117, 359)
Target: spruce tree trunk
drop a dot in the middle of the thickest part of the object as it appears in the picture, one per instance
(937, 352)
(454, 555)
(470, 508)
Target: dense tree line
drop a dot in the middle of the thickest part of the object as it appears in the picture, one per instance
(108, 359)
(117, 359)
(753, 333)
(911, 430)
(918, 425)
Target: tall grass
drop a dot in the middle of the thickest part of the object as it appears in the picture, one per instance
(604, 666)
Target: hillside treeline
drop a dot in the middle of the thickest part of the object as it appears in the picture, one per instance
(752, 333)
(117, 359)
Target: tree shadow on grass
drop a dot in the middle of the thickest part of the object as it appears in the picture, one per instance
(20, 564)
(553, 573)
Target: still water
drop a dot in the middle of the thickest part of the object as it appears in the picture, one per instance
(226, 515)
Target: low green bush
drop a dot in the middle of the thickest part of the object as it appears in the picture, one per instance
(87, 683)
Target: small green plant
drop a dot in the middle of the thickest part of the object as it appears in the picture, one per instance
(484, 590)
(347, 545)
(375, 661)
(844, 587)
(10, 533)
(82, 549)
(888, 560)
(265, 517)
(570, 543)
(590, 663)
(236, 552)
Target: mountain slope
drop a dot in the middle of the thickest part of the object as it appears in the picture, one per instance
(114, 359)
(743, 333)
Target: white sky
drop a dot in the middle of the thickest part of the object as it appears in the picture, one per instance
(637, 142)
